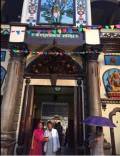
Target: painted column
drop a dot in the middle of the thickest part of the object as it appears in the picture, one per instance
(24, 11)
(10, 103)
(29, 11)
(93, 85)
(83, 12)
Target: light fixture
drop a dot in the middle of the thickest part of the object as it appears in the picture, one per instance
(57, 89)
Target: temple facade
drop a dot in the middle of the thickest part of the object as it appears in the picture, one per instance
(58, 63)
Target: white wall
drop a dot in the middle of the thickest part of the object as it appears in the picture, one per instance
(109, 107)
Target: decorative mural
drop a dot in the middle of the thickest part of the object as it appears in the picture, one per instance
(81, 12)
(32, 12)
(67, 12)
(56, 11)
(111, 80)
(112, 60)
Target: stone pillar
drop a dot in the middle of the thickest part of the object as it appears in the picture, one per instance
(93, 85)
(9, 103)
(21, 149)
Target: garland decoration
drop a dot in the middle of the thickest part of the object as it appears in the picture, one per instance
(63, 30)
(58, 32)
(60, 53)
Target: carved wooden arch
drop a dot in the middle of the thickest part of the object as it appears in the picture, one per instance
(111, 114)
(55, 63)
(77, 58)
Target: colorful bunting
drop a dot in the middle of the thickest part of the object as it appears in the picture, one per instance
(57, 53)
(47, 53)
(54, 31)
(69, 30)
(20, 51)
(100, 27)
(65, 30)
(107, 27)
(117, 26)
(80, 29)
(112, 26)
(49, 31)
(59, 31)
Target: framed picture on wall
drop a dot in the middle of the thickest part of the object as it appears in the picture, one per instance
(56, 12)
(112, 59)
(111, 81)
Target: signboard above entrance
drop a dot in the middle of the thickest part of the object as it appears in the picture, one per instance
(46, 35)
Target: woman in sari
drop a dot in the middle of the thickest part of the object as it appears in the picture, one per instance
(37, 140)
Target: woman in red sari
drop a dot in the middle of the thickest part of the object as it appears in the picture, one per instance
(37, 140)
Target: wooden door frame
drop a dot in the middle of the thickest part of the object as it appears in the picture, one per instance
(77, 102)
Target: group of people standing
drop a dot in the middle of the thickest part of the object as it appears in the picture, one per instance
(48, 142)
(45, 142)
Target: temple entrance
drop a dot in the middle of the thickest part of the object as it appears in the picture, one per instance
(53, 91)
(53, 103)
(56, 104)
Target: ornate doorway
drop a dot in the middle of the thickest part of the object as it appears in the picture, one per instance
(54, 66)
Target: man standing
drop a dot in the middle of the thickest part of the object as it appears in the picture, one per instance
(59, 128)
(53, 145)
